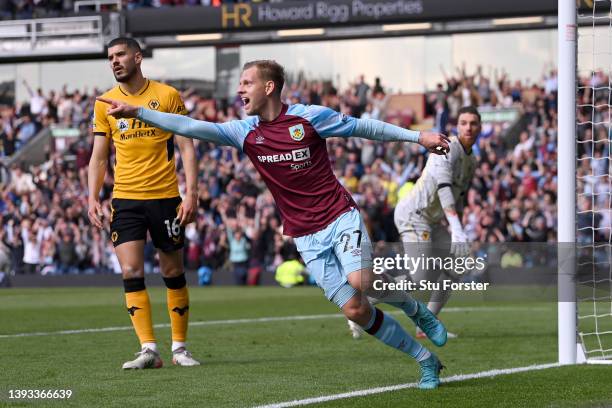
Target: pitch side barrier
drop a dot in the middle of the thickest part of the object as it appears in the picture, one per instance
(509, 270)
(219, 278)
(496, 275)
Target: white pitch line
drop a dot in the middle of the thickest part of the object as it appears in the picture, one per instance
(380, 390)
(256, 320)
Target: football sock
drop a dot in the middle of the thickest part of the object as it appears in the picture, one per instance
(386, 329)
(177, 297)
(150, 346)
(139, 308)
(435, 305)
(397, 298)
(408, 305)
(439, 297)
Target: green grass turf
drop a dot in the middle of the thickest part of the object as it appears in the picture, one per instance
(248, 364)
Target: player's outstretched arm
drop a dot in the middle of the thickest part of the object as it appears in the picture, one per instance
(178, 124)
(378, 130)
(329, 123)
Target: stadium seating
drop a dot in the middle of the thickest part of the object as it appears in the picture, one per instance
(513, 196)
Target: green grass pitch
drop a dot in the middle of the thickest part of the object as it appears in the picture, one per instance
(247, 363)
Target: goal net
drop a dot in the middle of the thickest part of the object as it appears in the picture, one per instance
(593, 182)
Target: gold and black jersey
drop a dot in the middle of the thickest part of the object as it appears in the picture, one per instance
(144, 155)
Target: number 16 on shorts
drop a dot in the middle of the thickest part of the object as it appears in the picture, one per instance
(174, 227)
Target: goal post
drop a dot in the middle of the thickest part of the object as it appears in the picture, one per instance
(566, 184)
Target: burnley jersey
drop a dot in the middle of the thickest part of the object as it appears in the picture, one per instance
(291, 155)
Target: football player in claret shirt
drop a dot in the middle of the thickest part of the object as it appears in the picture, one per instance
(145, 198)
(286, 143)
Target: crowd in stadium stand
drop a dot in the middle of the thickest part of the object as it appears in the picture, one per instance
(512, 199)
(594, 220)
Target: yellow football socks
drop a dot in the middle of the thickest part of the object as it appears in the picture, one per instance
(139, 308)
(177, 297)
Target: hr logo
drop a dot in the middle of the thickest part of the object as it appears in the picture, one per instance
(239, 15)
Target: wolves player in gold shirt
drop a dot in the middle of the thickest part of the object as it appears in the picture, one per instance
(145, 198)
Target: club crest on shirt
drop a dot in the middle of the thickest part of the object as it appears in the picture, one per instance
(154, 104)
(297, 132)
(123, 125)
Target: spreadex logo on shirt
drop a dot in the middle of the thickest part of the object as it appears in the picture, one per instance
(298, 155)
(294, 155)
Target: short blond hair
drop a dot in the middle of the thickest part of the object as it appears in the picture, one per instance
(269, 70)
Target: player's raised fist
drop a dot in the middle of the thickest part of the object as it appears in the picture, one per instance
(434, 142)
(119, 109)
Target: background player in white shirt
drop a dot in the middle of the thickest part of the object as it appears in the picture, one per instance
(440, 193)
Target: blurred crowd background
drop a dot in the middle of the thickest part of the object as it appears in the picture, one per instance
(43, 209)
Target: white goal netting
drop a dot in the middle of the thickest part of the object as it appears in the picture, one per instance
(594, 183)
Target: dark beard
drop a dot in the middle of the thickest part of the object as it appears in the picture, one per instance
(127, 77)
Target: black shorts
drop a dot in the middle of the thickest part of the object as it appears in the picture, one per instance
(131, 219)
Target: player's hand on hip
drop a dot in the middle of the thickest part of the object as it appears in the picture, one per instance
(460, 246)
(95, 214)
(187, 210)
(119, 109)
(434, 142)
